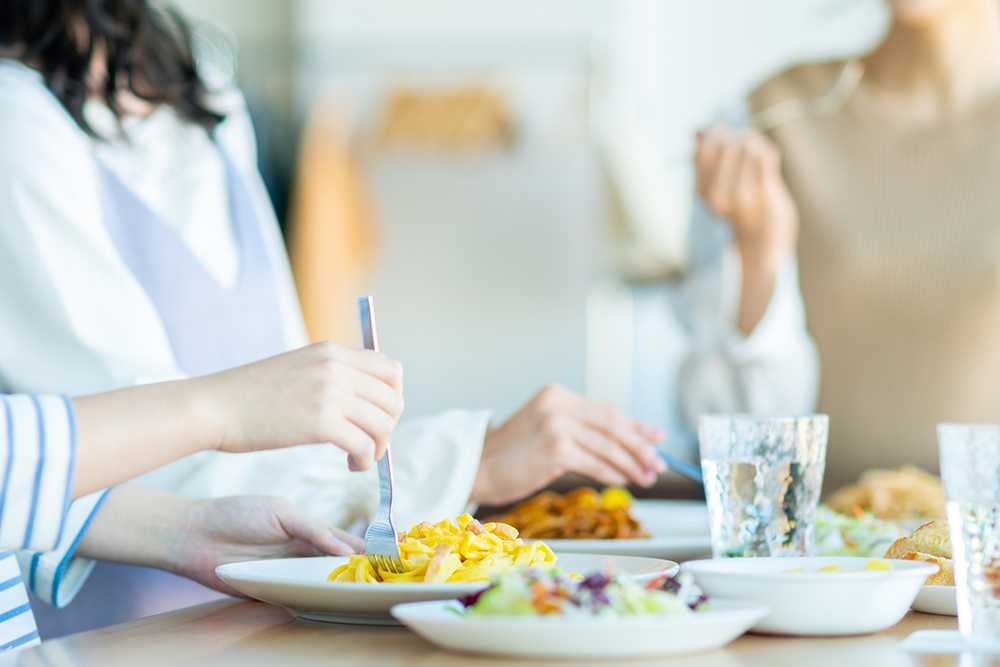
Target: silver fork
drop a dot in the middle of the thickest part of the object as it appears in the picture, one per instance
(381, 541)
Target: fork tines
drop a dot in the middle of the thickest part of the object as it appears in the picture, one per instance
(386, 563)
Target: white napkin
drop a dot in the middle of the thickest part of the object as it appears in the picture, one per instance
(948, 641)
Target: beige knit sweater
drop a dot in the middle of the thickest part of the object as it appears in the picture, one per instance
(899, 262)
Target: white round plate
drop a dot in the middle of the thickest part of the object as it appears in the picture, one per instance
(678, 528)
(575, 637)
(816, 603)
(300, 584)
(936, 600)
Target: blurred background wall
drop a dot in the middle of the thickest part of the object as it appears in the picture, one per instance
(521, 167)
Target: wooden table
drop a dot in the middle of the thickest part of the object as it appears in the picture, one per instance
(248, 634)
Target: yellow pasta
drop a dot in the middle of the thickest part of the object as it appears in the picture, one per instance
(446, 552)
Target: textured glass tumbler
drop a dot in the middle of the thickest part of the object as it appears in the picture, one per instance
(763, 477)
(970, 470)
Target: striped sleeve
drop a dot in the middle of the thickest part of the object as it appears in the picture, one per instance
(56, 575)
(17, 623)
(37, 458)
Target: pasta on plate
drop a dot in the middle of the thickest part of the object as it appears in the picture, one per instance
(452, 551)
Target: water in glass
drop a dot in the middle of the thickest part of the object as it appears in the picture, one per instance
(763, 477)
(975, 550)
(762, 508)
(970, 470)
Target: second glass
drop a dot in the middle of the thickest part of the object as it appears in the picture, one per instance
(763, 477)
(970, 470)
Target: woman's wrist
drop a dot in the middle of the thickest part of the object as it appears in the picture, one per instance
(140, 526)
(760, 271)
(482, 492)
(211, 410)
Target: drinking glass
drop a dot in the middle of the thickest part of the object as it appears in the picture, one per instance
(970, 470)
(762, 481)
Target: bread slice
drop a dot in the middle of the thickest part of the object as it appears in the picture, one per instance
(931, 538)
(931, 544)
(945, 576)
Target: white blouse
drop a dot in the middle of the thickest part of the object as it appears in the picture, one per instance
(37, 455)
(774, 370)
(76, 321)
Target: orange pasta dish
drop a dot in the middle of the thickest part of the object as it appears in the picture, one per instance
(582, 514)
(459, 551)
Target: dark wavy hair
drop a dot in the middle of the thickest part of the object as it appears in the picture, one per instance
(147, 49)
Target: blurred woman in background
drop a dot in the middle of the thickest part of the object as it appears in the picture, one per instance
(138, 244)
(873, 185)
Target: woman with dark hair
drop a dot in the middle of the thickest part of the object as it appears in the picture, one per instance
(116, 52)
(137, 244)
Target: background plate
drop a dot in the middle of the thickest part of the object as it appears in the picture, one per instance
(936, 600)
(679, 530)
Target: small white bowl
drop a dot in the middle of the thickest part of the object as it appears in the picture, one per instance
(578, 638)
(851, 602)
(937, 600)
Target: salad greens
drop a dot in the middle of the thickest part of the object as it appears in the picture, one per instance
(859, 535)
(538, 593)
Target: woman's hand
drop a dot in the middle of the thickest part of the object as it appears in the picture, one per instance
(239, 528)
(559, 432)
(321, 393)
(739, 177)
(140, 526)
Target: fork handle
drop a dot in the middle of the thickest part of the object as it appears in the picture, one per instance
(369, 337)
(384, 466)
(369, 333)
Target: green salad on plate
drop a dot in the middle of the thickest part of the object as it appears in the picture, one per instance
(549, 592)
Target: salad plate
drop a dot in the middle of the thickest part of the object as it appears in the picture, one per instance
(936, 600)
(574, 637)
(806, 601)
(300, 584)
(678, 528)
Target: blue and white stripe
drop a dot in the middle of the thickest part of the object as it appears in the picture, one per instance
(56, 576)
(39, 455)
(37, 458)
(17, 624)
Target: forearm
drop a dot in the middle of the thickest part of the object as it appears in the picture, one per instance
(138, 526)
(759, 273)
(123, 434)
(150, 528)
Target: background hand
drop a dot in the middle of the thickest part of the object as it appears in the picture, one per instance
(739, 177)
(560, 432)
